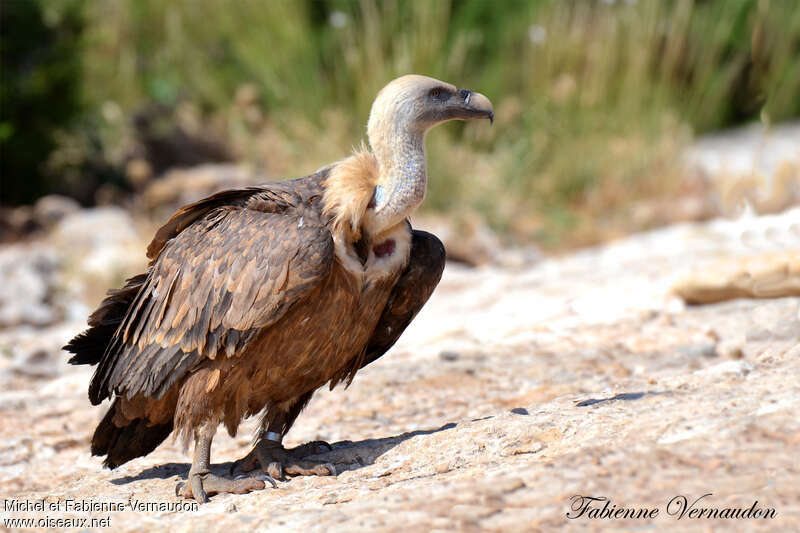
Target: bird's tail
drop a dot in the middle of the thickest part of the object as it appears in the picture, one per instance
(121, 444)
(90, 345)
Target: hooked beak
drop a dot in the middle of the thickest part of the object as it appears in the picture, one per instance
(474, 105)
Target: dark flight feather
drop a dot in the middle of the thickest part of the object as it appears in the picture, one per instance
(121, 444)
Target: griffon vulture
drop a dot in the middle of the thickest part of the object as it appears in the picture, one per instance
(254, 298)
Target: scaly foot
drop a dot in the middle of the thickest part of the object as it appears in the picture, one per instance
(275, 460)
(310, 448)
(201, 484)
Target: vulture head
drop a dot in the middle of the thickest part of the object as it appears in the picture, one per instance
(416, 103)
(401, 114)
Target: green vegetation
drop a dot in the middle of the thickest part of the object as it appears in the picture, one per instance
(593, 99)
(39, 84)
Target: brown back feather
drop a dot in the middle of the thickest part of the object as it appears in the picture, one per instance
(222, 269)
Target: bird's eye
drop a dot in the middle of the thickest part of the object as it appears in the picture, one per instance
(437, 94)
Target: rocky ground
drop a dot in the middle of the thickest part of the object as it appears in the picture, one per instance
(517, 388)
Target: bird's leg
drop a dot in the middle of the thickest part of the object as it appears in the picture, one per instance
(201, 482)
(275, 460)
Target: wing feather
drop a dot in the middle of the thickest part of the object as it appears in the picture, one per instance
(216, 279)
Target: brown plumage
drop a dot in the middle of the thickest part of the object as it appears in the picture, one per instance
(254, 298)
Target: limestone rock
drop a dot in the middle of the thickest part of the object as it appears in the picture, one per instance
(102, 243)
(770, 275)
(182, 186)
(28, 276)
(51, 209)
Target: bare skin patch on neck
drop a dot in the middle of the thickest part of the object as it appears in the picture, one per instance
(384, 248)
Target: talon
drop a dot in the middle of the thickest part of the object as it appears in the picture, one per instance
(275, 470)
(268, 478)
(200, 485)
(197, 488)
(263, 477)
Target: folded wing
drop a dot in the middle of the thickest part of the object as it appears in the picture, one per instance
(222, 271)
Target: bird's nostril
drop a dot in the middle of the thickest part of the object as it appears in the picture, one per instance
(465, 95)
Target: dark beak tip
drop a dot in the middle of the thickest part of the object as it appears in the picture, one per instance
(491, 118)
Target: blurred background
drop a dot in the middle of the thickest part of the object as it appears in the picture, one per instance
(598, 104)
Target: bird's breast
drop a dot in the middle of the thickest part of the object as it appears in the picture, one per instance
(316, 339)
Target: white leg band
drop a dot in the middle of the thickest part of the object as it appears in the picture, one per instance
(272, 435)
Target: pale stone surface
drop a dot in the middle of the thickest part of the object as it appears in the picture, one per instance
(51, 209)
(513, 391)
(764, 262)
(28, 277)
(754, 167)
(182, 186)
(769, 275)
(751, 148)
